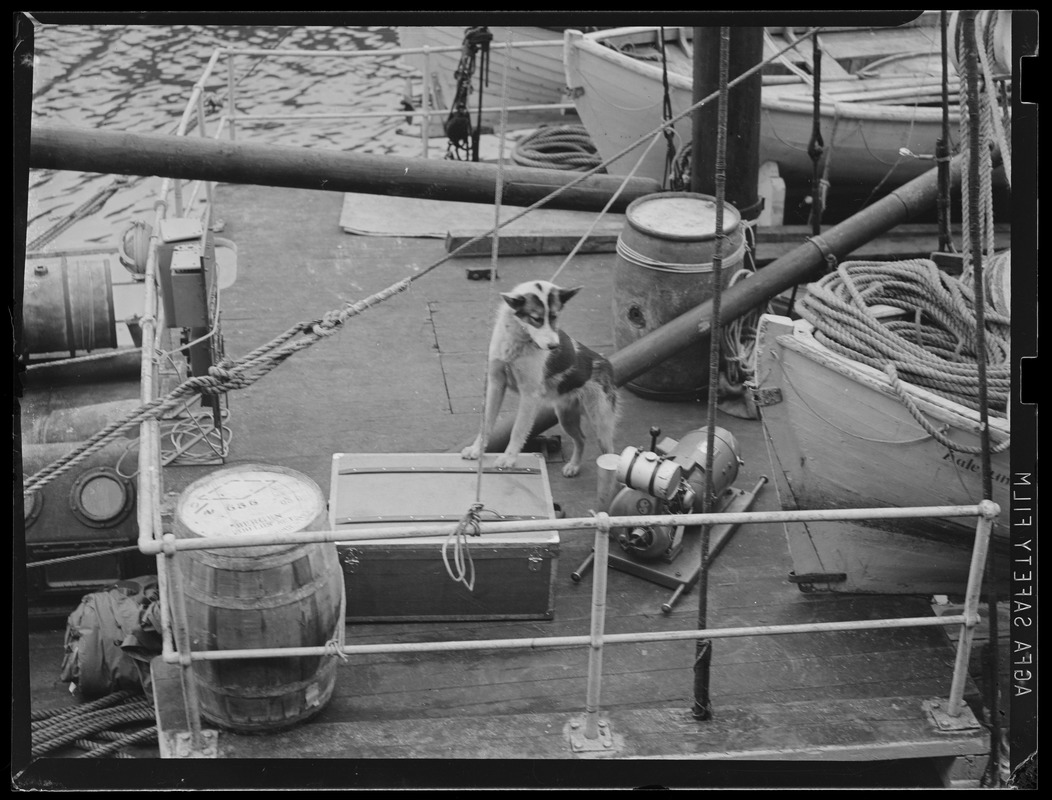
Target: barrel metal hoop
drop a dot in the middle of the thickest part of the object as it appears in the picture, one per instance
(640, 260)
(283, 690)
(263, 601)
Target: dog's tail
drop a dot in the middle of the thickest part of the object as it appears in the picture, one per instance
(603, 373)
(606, 394)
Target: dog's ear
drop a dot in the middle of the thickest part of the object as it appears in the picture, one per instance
(566, 294)
(516, 301)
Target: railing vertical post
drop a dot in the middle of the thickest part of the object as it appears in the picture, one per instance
(204, 134)
(595, 653)
(177, 196)
(182, 644)
(231, 106)
(983, 528)
(425, 101)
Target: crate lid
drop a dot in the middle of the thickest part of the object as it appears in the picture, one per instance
(389, 489)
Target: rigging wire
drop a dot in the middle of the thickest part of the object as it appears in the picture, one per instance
(702, 705)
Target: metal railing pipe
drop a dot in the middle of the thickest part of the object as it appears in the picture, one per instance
(394, 51)
(598, 623)
(204, 133)
(231, 105)
(183, 656)
(983, 530)
(425, 101)
(579, 640)
(573, 523)
(394, 113)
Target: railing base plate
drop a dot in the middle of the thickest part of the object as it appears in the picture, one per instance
(936, 709)
(179, 744)
(579, 743)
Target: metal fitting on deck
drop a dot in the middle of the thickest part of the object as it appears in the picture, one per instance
(989, 510)
(602, 523)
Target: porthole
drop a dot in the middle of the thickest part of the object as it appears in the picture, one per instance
(101, 498)
(33, 502)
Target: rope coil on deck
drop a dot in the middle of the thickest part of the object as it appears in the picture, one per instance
(567, 147)
(931, 345)
(53, 730)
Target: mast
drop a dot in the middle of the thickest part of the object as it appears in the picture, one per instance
(743, 109)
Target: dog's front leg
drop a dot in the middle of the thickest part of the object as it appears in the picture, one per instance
(496, 385)
(529, 406)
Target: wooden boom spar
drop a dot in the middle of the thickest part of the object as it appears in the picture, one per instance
(194, 158)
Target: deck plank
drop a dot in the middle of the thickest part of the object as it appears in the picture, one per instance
(814, 731)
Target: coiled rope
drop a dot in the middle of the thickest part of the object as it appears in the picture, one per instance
(933, 345)
(73, 726)
(739, 338)
(567, 147)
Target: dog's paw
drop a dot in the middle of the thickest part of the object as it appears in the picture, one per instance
(471, 452)
(571, 470)
(504, 461)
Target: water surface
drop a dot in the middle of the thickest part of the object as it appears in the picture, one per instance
(138, 78)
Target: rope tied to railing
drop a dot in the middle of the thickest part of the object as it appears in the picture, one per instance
(224, 377)
(463, 568)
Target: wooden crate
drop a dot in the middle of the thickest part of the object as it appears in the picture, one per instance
(407, 579)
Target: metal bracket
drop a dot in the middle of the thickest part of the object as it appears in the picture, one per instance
(936, 709)
(579, 743)
(535, 560)
(179, 744)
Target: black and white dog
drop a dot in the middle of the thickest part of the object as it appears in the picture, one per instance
(530, 355)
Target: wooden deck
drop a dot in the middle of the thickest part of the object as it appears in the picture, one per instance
(407, 377)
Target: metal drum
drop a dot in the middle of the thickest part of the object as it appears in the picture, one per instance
(67, 307)
(273, 596)
(725, 459)
(663, 269)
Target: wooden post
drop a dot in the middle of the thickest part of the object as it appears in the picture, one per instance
(743, 135)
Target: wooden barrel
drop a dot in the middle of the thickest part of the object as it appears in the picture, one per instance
(68, 309)
(663, 269)
(285, 595)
